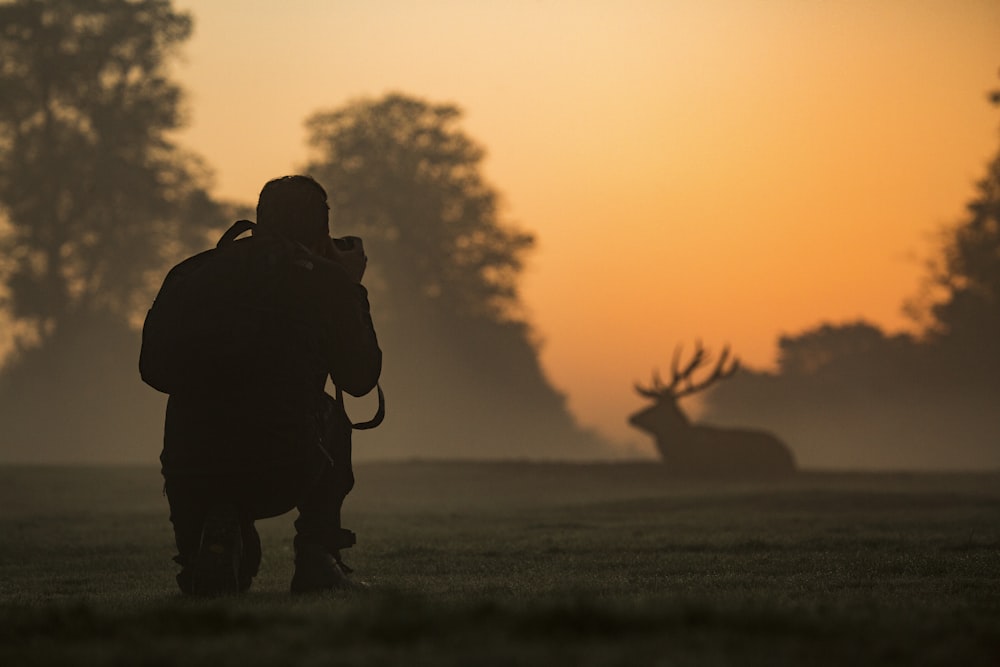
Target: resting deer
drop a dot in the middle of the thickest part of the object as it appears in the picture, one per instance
(691, 449)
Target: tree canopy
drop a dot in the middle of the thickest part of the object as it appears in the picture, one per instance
(404, 176)
(460, 358)
(967, 319)
(96, 201)
(852, 395)
(95, 195)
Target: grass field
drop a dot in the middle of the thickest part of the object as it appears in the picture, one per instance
(515, 563)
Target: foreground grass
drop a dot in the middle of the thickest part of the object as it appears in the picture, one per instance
(525, 564)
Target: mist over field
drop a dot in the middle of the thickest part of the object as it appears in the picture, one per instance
(120, 420)
(529, 564)
(888, 433)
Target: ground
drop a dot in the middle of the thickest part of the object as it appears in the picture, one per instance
(520, 563)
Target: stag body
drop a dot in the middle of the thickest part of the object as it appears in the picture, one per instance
(692, 449)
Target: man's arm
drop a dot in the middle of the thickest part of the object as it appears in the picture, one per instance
(355, 357)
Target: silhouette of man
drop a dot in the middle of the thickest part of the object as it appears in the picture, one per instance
(262, 445)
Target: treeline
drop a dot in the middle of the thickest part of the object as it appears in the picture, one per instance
(97, 202)
(853, 396)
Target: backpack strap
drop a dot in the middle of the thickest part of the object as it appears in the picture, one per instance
(235, 230)
(379, 414)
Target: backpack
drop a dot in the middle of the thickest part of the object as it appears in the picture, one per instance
(221, 319)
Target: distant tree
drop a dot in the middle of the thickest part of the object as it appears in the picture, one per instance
(444, 280)
(95, 202)
(830, 346)
(95, 195)
(406, 177)
(965, 322)
(851, 395)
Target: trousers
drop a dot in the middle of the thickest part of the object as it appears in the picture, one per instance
(315, 484)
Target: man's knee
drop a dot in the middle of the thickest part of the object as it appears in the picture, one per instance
(343, 479)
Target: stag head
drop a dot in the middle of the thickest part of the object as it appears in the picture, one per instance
(664, 419)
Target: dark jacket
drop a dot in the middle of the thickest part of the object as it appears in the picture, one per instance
(317, 325)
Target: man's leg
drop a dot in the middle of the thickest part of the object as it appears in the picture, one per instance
(320, 536)
(320, 509)
(218, 546)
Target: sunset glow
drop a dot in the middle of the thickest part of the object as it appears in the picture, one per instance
(723, 169)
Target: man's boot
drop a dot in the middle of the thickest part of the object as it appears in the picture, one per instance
(216, 568)
(318, 570)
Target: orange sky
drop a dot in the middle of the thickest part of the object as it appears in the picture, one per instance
(729, 169)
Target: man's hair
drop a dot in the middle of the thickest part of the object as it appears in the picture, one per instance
(294, 207)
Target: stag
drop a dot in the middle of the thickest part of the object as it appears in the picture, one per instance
(693, 449)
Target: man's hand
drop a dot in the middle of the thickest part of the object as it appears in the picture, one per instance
(352, 258)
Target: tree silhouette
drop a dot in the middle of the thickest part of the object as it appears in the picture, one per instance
(460, 360)
(850, 395)
(966, 321)
(95, 201)
(95, 194)
(406, 178)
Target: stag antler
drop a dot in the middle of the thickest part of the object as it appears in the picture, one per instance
(657, 390)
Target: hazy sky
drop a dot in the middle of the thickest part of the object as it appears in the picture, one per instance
(724, 169)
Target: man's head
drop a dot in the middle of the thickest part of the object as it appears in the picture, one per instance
(294, 207)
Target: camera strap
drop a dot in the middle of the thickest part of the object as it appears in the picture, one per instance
(379, 413)
(235, 230)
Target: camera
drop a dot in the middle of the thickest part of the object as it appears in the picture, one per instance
(349, 252)
(346, 243)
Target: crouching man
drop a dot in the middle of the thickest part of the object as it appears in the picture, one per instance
(256, 435)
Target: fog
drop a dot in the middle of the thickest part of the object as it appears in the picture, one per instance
(83, 402)
(850, 396)
(958, 433)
